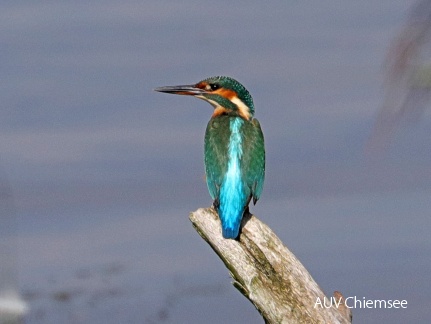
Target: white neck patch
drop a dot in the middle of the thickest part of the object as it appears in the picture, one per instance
(242, 107)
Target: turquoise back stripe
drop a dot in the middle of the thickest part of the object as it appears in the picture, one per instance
(232, 195)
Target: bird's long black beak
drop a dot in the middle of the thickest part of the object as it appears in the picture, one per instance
(187, 90)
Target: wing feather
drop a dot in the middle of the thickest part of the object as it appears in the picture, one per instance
(253, 161)
(216, 154)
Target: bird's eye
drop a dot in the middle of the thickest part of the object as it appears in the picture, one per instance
(212, 86)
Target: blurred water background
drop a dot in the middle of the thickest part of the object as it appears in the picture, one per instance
(101, 172)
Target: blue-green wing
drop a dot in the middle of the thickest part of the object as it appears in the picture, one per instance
(253, 158)
(216, 154)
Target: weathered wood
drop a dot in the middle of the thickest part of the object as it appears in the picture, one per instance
(267, 273)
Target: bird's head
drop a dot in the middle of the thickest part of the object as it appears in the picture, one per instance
(225, 94)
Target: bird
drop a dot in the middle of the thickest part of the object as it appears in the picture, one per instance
(234, 149)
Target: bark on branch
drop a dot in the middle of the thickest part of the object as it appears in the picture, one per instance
(267, 273)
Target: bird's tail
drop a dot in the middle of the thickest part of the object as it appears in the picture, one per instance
(234, 198)
(230, 232)
(230, 220)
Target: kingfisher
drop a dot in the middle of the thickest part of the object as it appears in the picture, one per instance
(234, 148)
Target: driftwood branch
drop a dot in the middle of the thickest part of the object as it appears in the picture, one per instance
(268, 274)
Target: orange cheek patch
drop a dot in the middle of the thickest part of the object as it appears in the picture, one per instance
(228, 94)
(201, 85)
